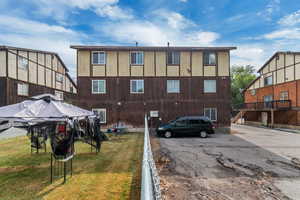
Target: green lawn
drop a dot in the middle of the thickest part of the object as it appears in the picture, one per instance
(112, 174)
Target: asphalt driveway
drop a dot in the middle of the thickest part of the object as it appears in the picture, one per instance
(251, 163)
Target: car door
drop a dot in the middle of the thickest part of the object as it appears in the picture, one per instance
(195, 126)
(181, 127)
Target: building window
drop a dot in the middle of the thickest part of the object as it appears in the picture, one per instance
(268, 81)
(210, 86)
(71, 89)
(211, 113)
(173, 58)
(98, 86)
(23, 63)
(173, 86)
(137, 58)
(59, 77)
(98, 58)
(136, 86)
(210, 58)
(284, 95)
(23, 89)
(101, 113)
(59, 95)
(253, 92)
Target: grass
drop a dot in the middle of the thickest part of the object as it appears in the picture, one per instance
(112, 174)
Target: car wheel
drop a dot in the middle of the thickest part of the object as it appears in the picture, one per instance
(203, 134)
(168, 134)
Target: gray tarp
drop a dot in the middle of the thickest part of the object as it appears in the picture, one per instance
(41, 109)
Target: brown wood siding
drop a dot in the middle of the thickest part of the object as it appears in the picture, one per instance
(34, 89)
(190, 101)
(3, 91)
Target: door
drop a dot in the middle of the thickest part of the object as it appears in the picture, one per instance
(196, 126)
(181, 127)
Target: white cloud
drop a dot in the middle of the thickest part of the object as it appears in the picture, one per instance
(174, 20)
(272, 7)
(149, 33)
(289, 34)
(36, 35)
(60, 9)
(290, 20)
(184, 1)
(248, 55)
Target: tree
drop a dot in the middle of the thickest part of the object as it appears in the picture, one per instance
(241, 77)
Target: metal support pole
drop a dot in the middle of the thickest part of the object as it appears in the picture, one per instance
(65, 171)
(71, 166)
(51, 167)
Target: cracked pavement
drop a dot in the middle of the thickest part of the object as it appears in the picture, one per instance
(253, 163)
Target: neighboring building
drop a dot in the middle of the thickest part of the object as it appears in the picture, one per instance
(274, 97)
(28, 72)
(123, 83)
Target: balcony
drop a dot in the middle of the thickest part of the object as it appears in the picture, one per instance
(269, 105)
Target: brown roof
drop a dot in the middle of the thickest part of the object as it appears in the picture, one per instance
(33, 50)
(150, 48)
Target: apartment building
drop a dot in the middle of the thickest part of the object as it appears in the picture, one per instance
(29, 72)
(123, 83)
(273, 98)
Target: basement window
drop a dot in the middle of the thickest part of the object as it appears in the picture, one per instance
(23, 89)
(101, 113)
(211, 113)
(59, 95)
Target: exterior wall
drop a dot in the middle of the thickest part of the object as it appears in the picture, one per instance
(3, 63)
(3, 95)
(190, 101)
(34, 89)
(155, 65)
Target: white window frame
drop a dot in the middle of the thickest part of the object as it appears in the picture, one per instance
(284, 95)
(101, 110)
(210, 111)
(268, 80)
(59, 77)
(99, 63)
(138, 80)
(22, 63)
(209, 80)
(98, 92)
(136, 53)
(173, 57)
(59, 94)
(177, 89)
(23, 89)
(210, 63)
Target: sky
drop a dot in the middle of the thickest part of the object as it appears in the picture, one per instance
(258, 28)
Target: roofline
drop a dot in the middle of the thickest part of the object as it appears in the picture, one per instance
(274, 55)
(68, 75)
(86, 47)
(3, 47)
(249, 85)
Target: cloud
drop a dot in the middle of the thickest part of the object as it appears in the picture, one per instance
(290, 20)
(253, 55)
(173, 19)
(61, 9)
(26, 33)
(271, 8)
(184, 1)
(289, 34)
